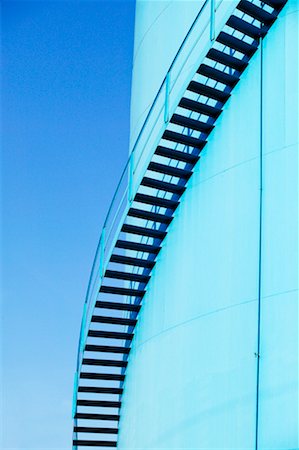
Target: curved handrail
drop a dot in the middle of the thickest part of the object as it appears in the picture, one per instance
(104, 248)
(125, 175)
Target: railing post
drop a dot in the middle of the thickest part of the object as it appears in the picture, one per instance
(131, 177)
(74, 408)
(212, 21)
(102, 252)
(166, 103)
(82, 332)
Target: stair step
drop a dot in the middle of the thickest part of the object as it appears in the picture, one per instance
(128, 260)
(110, 334)
(202, 108)
(149, 215)
(183, 139)
(85, 443)
(207, 91)
(100, 390)
(193, 124)
(190, 158)
(157, 201)
(107, 349)
(128, 276)
(237, 44)
(99, 430)
(218, 75)
(114, 320)
(257, 13)
(121, 291)
(93, 416)
(118, 306)
(227, 60)
(104, 362)
(99, 403)
(138, 247)
(102, 376)
(169, 170)
(143, 231)
(163, 186)
(275, 4)
(244, 27)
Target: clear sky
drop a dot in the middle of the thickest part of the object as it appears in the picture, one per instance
(65, 104)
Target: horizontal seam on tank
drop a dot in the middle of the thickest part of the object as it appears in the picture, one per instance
(213, 312)
(285, 147)
(224, 170)
(240, 164)
(146, 32)
(288, 291)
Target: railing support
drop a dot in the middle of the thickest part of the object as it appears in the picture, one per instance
(212, 21)
(74, 408)
(131, 177)
(82, 332)
(166, 103)
(102, 252)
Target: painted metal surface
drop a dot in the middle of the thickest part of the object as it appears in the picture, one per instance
(192, 376)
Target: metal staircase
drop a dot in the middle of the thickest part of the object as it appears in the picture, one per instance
(104, 356)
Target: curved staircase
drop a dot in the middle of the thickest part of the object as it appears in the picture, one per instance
(104, 356)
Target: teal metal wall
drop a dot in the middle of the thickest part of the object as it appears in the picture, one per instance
(225, 285)
(160, 27)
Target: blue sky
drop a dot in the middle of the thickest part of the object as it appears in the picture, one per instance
(66, 96)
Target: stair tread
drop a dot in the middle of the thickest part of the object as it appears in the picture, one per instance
(199, 107)
(110, 334)
(99, 403)
(208, 91)
(143, 231)
(227, 60)
(102, 376)
(276, 4)
(218, 75)
(87, 443)
(128, 276)
(256, 12)
(106, 349)
(244, 27)
(117, 305)
(146, 248)
(190, 158)
(163, 185)
(237, 44)
(169, 170)
(100, 390)
(93, 416)
(152, 200)
(128, 260)
(113, 320)
(183, 139)
(193, 124)
(121, 291)
(99, 430)
(104, 362)
(149, 215)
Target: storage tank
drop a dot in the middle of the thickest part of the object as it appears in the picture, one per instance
(214, 360)
(189, 337)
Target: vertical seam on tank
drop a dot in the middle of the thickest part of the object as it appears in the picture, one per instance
(259, 251)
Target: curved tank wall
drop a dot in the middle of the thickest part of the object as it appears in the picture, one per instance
(160, 27)
(191, 381)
